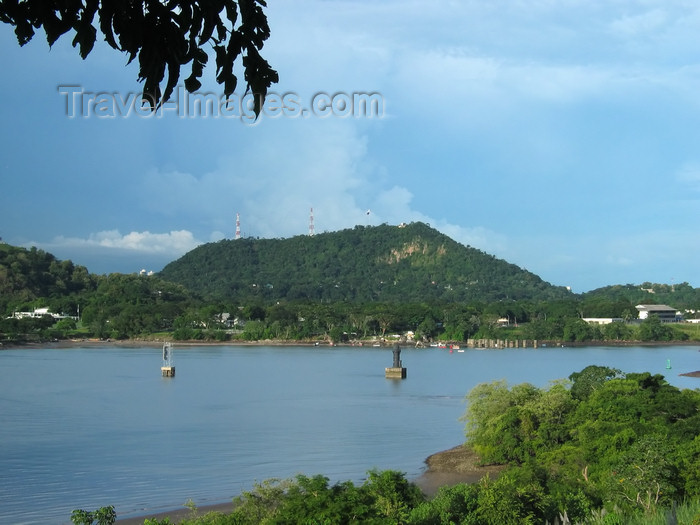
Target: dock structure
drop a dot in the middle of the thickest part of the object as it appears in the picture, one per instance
(502, 343)
(397, 371)
(168, 369)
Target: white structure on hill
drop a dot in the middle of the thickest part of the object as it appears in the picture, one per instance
(41, 312)
(603, 320)
(665, 313)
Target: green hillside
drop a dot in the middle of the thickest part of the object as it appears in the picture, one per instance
(366, 281)
(28, 275)
(407, 263)
(680, 295)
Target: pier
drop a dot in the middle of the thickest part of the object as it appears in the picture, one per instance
(502, 343)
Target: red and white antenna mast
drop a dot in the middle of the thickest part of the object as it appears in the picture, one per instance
(311, 223)
(238, 226)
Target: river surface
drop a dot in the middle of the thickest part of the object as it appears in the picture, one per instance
(85, 427)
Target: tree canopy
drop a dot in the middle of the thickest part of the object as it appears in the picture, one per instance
(628, 442)
(162, 35)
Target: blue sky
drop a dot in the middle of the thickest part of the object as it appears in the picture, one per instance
(563, 137)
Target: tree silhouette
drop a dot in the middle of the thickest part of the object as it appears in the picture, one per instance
(163, 34)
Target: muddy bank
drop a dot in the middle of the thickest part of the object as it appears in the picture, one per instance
(451, 467)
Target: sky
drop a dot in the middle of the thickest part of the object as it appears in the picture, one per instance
(561, 136)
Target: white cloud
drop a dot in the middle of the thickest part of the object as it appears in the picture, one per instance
(171, 243)
(645, 22)
(273, 183)
(394, 206)
(478, 237)
(689, 175)
(216, 236)
(476, 90)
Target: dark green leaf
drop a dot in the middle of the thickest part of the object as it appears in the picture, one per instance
(192, 84)
(163, 35)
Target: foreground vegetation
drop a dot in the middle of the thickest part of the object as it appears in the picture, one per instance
(626, 443)
(602, 447)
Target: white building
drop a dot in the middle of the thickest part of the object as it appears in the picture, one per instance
(41, 312)
(603, 320)
(665, 313)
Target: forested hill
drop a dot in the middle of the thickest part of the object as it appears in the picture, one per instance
(406, 263)
(678, 294)
(27, 275)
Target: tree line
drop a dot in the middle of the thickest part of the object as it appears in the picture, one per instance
(134, 306)
(129, 306)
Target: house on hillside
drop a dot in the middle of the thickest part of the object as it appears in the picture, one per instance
(41, 312)
(665, 313)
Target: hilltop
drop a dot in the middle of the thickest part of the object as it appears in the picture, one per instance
(406, 263)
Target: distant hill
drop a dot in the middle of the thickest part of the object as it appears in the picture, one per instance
(30, 274)
(680, 295)
(407, 263)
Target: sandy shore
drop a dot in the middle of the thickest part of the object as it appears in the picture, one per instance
(447, 468)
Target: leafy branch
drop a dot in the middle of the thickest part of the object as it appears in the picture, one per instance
(164, 35)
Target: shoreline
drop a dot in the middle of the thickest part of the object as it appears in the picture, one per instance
(72, 343)
(443, 469)
(155, 343)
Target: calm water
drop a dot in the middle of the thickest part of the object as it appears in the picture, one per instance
(88, 427)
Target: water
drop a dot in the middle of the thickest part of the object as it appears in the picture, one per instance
(92, 426)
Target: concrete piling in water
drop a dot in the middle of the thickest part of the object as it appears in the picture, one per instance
(396, 371)
(168, 369)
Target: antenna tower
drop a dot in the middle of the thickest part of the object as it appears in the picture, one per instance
(311, 223)
(238, 226)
